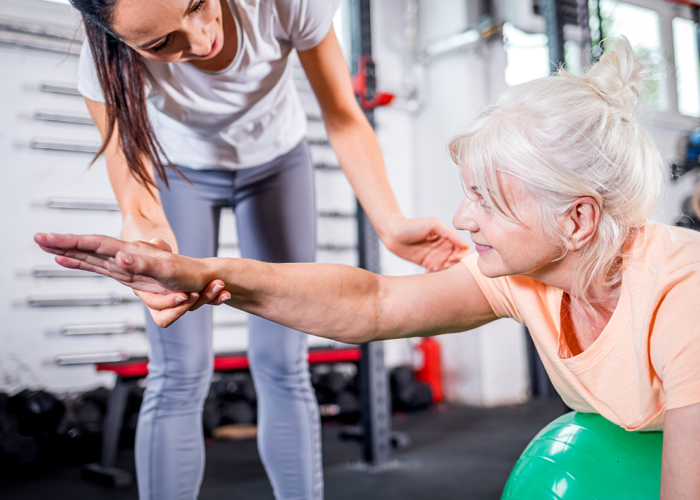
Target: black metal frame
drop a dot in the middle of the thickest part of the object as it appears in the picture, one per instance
(373, 378)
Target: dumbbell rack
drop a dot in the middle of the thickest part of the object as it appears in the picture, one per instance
(130, 372)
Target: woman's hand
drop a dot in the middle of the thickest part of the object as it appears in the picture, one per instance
(165, 309)
(154, 273)
(427, 242)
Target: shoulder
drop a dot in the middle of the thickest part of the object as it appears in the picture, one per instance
(306, 22)
(665, 252)
(509, 295)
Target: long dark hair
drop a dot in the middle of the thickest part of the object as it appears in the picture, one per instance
(121, 74)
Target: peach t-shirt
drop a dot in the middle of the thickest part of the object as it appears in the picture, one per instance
(647, 358)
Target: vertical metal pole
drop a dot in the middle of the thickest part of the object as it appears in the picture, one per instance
(696, 18)
(554, 28)
(373, 380)
(540, 384)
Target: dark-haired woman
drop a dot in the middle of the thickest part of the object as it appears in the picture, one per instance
(205, 86)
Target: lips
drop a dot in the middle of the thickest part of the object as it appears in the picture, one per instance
(214, 45)
(482, 248)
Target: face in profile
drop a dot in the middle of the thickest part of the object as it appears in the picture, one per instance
(171, 30)
(506, 247)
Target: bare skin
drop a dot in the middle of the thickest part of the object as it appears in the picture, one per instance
(203, 33)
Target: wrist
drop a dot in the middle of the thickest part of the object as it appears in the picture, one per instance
(208, 270)
(391, 227)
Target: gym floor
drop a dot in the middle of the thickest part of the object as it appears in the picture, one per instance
(457, 452)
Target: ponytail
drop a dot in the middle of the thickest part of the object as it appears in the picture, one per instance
(121, 74)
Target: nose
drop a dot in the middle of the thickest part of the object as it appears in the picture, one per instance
(464, 218)
(199, 41)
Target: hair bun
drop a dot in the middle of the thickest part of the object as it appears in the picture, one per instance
(619, 76)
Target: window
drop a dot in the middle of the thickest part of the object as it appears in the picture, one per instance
(527, 55)
(642, 28)
(687, 66)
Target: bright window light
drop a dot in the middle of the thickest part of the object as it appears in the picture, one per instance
(528, 55)
(687, 67)
(642, 28)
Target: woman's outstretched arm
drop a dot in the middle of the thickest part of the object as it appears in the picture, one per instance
(327, 300)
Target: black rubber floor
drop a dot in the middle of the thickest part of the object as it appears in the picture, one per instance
(457, 452)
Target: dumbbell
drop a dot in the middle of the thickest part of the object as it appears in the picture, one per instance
(15, 448)
(407, 393)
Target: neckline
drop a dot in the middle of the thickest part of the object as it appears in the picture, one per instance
(239, 41)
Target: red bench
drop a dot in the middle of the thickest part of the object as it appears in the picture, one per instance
(128, 372)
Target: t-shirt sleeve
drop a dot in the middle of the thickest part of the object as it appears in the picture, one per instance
(88, 82)
(675, 341)
(498, 291)
(307, 22)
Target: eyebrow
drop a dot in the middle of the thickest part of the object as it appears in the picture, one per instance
(153, 42)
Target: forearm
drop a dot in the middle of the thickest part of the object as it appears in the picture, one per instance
(327, 300)
(142, 211)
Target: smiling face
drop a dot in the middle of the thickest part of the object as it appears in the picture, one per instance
(171, 30)
(505, 247)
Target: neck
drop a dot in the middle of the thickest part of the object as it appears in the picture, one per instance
(560, 274)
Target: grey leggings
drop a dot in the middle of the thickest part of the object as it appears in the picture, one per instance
(275, 214)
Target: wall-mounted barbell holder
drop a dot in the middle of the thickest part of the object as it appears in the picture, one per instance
(92, 358)
(104, 329)
(330, 247)
(57, 88)
(96, 300)
(60, 272)
(126, 328)
(61, 118)
(65, 147)
(77, 204)
(327, 167)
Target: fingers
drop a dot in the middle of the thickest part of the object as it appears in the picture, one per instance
(156, 243)
(158, 301)
(213, 294)
(166, 317)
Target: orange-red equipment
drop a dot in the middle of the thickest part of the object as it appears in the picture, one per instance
(431, 371)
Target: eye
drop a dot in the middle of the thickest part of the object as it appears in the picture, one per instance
(162, 46)
(199, 5)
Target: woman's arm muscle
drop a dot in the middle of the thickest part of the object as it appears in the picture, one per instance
(352, 305)
(680, 466)
(426, 241)
(142, 212)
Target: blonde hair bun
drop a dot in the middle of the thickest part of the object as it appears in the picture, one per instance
(619, 76)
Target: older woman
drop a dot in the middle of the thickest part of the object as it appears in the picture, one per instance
(560, 181)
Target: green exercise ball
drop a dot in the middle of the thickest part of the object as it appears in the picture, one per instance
(582, 456)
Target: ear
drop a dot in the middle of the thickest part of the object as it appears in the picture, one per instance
(581, 222)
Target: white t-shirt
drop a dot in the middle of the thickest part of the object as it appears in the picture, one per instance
(245, 115)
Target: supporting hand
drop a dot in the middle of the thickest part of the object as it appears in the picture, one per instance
(427, 242)
(165, 309)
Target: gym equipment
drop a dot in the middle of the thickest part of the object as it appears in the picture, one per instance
(584, 456)
(230, 387)
(238, 412)
(431, 371)
(15, 449)
(408, 394)
(38, 413)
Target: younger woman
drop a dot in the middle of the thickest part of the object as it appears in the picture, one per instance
(206, 87)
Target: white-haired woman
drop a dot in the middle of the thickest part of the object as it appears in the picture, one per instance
(560, 181)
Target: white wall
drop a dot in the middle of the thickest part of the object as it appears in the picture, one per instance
(488, 365)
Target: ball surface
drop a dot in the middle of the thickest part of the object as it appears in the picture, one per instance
(582, 456)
